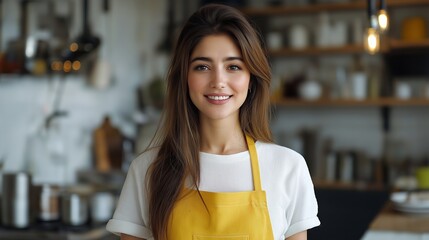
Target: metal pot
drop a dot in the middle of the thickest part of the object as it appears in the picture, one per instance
(47, 202)
(102, 206)
(74, 208)
(15, 203)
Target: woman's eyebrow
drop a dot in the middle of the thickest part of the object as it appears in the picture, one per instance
(207, 59)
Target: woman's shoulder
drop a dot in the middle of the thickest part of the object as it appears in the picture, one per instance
(142, 162)
(278, 149)
(279, 153)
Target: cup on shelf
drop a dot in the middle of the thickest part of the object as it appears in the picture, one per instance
(299, 37)
(274, 40)
(403, 90)
(338, 34)
(359, 84)
(323, 30)
(422, 176)
(310, 90)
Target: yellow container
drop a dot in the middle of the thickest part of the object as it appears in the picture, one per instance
(414, 29)
(422, 175)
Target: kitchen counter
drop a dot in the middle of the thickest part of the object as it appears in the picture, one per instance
(35, 233)
(390, 224)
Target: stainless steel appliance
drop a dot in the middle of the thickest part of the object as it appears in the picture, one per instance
(74, 208)
(15, 205)
(47, 202)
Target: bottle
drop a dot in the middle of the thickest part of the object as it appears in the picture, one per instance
(358, 80)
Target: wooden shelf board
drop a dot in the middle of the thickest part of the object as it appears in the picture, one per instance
(391, 45)
(407, 3)
(328, 7)
(400, 44)
(346, 49)
(346, 186)
(350, 103)
(314, 8)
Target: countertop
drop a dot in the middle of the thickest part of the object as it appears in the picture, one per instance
(393, 225)
(391, 220)
(36, 233)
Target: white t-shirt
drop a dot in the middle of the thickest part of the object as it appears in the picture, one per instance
(285, 177)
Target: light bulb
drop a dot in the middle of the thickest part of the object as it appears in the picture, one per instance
(372, 41)
(383, 20)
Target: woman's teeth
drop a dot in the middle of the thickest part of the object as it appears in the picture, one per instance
(218, 98)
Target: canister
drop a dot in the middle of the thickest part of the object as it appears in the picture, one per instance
(15, 204)
(74, 209)
(47, 202)
(102, 206)
(414, 29)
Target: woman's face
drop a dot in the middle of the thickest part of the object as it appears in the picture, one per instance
(218, 79)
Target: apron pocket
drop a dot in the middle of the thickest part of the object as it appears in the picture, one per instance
(219, 237)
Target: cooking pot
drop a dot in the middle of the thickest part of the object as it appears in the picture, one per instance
(47, 202)
(15, 204)
(102, 206)
(74, 208)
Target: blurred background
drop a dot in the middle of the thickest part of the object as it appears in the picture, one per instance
(82, 87)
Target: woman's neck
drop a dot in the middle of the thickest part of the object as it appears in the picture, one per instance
(222, 137)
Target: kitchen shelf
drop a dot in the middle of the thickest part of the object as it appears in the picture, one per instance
(347, 185)
(391, 49)
(395, 44)
(380, 102)
(314, 51)
(328, 7)
(392, 45)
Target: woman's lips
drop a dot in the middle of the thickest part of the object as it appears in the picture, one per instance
(218, 99)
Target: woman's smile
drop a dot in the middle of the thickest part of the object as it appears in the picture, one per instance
(218, 99)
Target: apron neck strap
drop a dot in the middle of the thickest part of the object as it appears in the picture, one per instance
(254, 163)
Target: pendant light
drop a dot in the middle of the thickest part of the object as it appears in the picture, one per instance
(383, 17)
(372, 36)
(378, 24)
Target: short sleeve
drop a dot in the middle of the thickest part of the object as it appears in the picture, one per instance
(131, 214)
(303, 208)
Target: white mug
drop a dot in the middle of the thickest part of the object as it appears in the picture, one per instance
(298, 37)
(403, 90)
(274, 40)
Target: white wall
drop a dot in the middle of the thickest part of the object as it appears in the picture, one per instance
(130, 32)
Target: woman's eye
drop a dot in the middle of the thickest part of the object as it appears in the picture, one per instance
(201, 68)
(234, 68)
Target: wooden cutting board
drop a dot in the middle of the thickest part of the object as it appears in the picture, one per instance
(108, 147)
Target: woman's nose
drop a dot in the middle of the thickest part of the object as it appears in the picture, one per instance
(218, 79)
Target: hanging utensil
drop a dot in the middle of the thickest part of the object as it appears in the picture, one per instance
(85, 43)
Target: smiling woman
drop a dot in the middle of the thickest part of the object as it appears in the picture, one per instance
(218, 79)
(212, 171)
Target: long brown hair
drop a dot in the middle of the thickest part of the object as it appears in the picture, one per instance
(178, 137)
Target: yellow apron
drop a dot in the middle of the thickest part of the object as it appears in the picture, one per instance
(224, 215)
